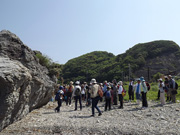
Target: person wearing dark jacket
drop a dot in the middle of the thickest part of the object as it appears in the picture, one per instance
(131, 90)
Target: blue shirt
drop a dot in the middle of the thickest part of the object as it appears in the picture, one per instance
(138, 88)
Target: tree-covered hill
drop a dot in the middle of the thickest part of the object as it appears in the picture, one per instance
(159, 56)
(87, 66)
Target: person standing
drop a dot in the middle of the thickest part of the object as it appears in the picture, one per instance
(95, 97)
(144, 92)
(77, 95)
(138, 91)
(166, 88)
(108, 98)
(131, 90)
(172, 89)
(120, 94)
(83, 92)
(161, 88)
(69, 93)
(88, 96)
(115, 93)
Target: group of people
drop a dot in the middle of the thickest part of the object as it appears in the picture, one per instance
(169, 86)
(111, 93)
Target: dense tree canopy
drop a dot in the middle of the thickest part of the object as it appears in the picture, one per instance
(106, 66)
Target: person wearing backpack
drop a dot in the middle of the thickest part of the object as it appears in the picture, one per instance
(77, 95)
(108, 98)
(95, 96)
(59, 98)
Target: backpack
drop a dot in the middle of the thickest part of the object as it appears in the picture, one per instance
(57, 97)
(78, 92)
(148, 86)
(70, 89)
(123, 92)
(108, 94)
(100, 93)
(176, 85)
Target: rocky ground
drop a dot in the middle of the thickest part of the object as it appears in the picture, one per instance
(130, 120)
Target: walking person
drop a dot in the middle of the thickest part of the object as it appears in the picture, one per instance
(162, 92)
(120, 94)
(131, 90)
(77, 95)
(59, 99)
(95, 97)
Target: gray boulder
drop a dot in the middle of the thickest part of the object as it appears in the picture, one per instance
(24, 83)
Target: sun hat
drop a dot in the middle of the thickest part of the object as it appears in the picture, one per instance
(77, 82)
(120, 82)
(93, 81)
(71, 82)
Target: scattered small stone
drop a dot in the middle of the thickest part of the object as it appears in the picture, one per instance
(178, 109)
(153, 120)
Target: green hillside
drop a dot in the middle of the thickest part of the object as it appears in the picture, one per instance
(87, 66)
(159, 55)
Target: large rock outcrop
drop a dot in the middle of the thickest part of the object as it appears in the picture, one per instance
(24, 83)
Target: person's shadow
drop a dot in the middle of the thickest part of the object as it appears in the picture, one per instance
(48, 113)
(84, 117)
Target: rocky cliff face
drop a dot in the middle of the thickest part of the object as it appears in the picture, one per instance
(24, 83)
(165, 64)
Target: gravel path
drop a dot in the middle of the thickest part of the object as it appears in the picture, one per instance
(130, 120)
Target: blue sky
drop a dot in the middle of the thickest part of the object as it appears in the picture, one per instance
(65, 29)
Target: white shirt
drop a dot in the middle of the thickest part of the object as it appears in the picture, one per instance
(139, 88)
(161, 87)
(120, 90)
(83, 91)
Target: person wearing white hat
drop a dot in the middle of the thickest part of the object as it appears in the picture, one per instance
(95, 96)
(77, 95)
(162, 92)
(120, 90)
